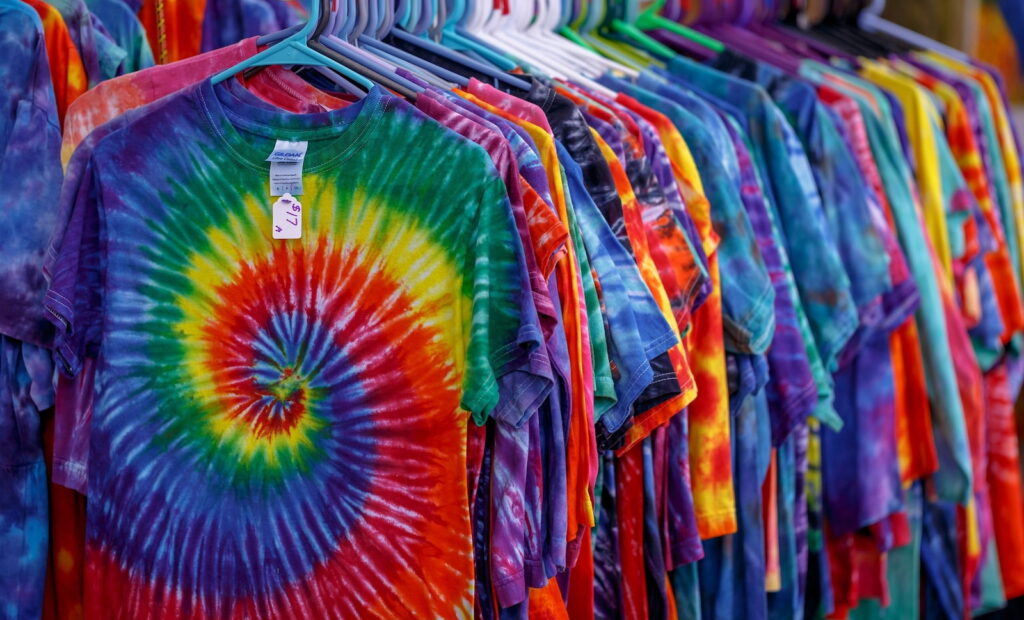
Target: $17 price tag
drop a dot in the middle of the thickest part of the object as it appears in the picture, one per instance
(287, 218)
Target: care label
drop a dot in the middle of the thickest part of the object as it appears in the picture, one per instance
(287, 218)
(286, 167)
(285, 178)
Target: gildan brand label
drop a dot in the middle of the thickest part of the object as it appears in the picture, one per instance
(287, 218)
(288, 152)
(286, 168)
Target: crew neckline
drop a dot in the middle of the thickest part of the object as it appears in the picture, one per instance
(337, 133)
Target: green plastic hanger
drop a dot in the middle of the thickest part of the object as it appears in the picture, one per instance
(571, 28)
(641, 39)
(651, 19)
(596, 28)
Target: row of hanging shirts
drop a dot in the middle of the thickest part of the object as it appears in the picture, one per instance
(257, 390)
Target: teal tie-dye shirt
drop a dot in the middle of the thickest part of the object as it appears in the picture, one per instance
(953, 480)
(791, 191)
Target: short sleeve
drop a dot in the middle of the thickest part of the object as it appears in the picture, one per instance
(74, 264)
(507, 373)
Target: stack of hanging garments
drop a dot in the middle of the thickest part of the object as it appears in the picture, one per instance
(733, 336)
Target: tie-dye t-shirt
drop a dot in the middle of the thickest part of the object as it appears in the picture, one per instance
(174, 27)
(30, 165)
(792, 192)
(102, 57)
(26, 372)
(227, 21)
(126, 30)
(113, 98)
(66, 69)
(511, 509)
(296, 404)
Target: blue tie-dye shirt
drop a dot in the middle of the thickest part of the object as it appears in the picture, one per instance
(126, 30)
(30, 165)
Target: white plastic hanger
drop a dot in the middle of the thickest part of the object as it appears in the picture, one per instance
(527, 33)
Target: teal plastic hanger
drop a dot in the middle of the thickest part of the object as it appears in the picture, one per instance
(401, 15)
(295, 50)
(454, 36)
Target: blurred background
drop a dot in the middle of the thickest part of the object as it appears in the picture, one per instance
(990, 30)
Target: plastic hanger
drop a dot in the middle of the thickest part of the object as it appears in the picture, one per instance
(624, 25)
(359, 60)
(558, 24)
(509, 32)
(604, 37)
(344, 13)
(543, 32)
(767, 24)
(737, 31)
(870, 20)
(590, 18)
(296, 50)
(427, 11)
(274, 37)
(427, 70)
(651, 19)
(387, 19)
(758, 47)
(471, 64)
(407, 14)
(352, 59)
(532, 38)
(669, 12)
(381, 18)
(461, 39)
(364, 13)
(332, 21)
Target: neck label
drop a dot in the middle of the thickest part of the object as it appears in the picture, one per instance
(288, 152)
(286, 168)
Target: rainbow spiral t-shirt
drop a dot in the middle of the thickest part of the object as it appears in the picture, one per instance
(280, 424)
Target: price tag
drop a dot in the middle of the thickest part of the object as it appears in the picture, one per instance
(287, 218)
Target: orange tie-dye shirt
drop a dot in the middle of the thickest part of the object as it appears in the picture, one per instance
(174, 28)
(647, 421)
(1004, 132)
(66, 68)
(710, 444)
(968, 158)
